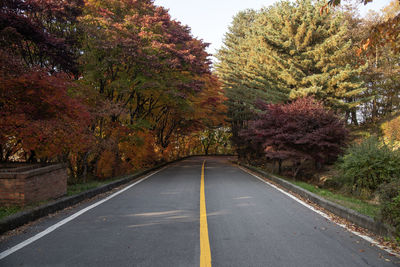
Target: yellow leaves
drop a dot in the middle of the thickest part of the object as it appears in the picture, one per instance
(300, 35)
(391, 131)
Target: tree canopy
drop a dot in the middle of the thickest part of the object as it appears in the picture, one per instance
(288, 51)
(106, 86)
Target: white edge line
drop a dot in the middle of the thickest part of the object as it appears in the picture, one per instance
(326, 216)
(68, 219)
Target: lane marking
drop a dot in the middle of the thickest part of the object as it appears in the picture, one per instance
(68, 219)
(326, 216)
(205, 251)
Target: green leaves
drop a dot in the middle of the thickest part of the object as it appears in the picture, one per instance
(367, 165)
(138, 80)
(285, 52)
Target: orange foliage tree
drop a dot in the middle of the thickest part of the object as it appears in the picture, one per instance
(105, 86)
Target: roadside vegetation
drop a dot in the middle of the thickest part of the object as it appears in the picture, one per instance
(7, 211)
(112, 87)
(313, 96)
(107, 87)
(72, 189)
(365, 207)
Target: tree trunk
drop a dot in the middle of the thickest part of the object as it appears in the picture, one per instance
(296, 169)
(354, 117)
(32, 157)
(85, 166)
(318, 165)
(280, 166)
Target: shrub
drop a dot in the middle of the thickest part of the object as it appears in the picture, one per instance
(390, 205)
(367, 165)
(298, 131)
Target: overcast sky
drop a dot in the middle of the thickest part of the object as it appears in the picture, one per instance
(209, 19)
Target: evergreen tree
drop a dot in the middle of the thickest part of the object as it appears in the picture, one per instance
(290, 51)
(230, 68)
(309, 54)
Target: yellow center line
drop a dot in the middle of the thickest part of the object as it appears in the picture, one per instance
(205, 252)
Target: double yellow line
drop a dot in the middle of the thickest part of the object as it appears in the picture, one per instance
(205, 252)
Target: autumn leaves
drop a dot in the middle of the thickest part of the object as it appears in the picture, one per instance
(107, 86)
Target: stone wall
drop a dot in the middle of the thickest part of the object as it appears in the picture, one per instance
(27, 184)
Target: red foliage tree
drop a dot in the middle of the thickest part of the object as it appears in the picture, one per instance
(38, 119)
(298, 131)
(42, 32)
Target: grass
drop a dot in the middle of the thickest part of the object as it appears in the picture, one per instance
(7, 211)
(356, 204)
(350, 202)
(75, 189)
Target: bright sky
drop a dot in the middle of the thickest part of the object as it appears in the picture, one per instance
(209, 19)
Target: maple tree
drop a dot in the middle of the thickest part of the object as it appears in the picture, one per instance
(149, 71)
(39, 121)
(42, 33)
(210, 112)
(105, 86)
(298, 131)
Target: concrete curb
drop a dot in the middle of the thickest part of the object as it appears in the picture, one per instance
(351, 215)
(23, 217)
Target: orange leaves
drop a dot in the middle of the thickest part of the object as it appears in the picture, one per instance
(383, 33)
(209, 103)
(139, 151)
(140, 78)
(106, 164)
(324, 8)
(364, 46)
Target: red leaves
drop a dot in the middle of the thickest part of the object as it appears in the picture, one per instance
(300, 130)
(142, 77)
(38, 114)
(26, 25)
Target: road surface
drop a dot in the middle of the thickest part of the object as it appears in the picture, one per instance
(159, 222)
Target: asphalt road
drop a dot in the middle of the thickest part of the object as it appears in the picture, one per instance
(157, 222)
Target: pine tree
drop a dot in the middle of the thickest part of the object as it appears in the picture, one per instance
(230, 68)
(288, 51)
(307, 53)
